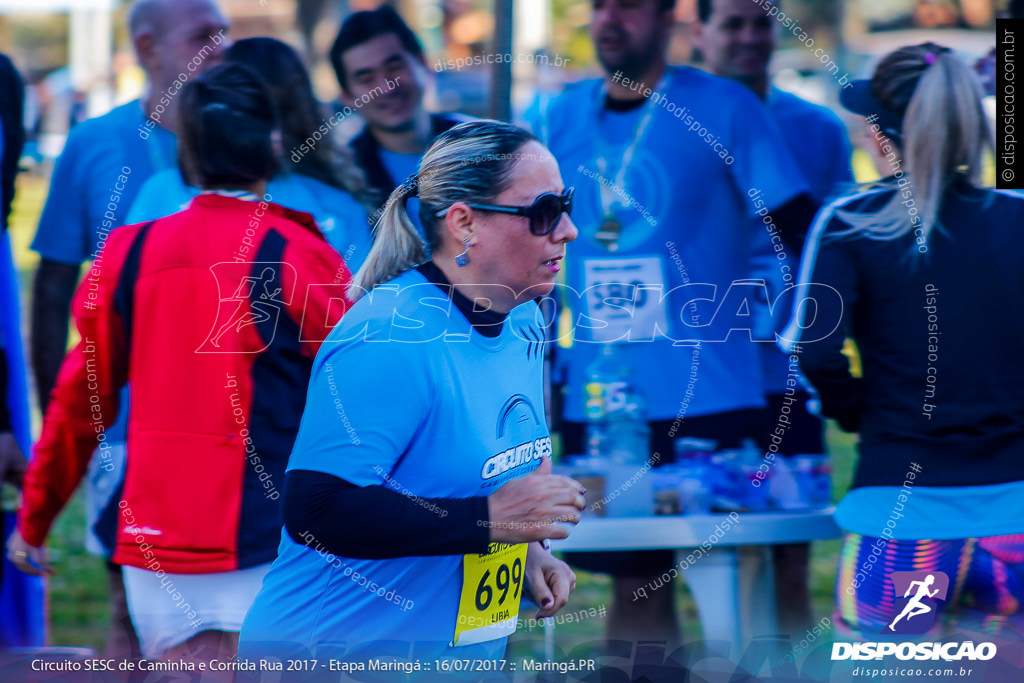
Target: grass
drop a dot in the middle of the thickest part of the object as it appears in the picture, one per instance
(78, 590)
(77, 606)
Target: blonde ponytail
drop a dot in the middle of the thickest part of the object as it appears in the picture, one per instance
(470, 162)
(397, 245)
(945, 134)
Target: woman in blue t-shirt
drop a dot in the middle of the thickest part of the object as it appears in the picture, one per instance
(928, 268)
(419, 493)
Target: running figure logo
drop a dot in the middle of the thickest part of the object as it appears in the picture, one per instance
(918, 595)
(256, 299)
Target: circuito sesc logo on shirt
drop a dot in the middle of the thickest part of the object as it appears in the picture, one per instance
(918, 598)
(517, 425)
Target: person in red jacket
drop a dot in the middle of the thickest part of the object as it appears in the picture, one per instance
(213, 315)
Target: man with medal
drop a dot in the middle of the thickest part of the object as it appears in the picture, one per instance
(672, 265)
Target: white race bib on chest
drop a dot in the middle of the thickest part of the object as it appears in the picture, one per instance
(624, 299)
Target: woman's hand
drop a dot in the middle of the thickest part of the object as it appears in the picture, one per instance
(549, 580)
(527, 509)
(28, 558)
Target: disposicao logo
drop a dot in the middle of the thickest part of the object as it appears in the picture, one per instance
(918, 597)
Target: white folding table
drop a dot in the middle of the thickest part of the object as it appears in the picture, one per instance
(733, 583)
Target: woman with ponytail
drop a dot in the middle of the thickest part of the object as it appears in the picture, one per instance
(215, 314)
(419, 492)
(925, 272)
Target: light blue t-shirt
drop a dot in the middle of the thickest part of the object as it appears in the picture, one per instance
(340, 217)
(103, 166)
(933, 512)
(403, 393)
(401, 166)
(688, 226)
(821, 147)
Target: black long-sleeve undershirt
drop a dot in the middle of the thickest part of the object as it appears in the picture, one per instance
(377, 522)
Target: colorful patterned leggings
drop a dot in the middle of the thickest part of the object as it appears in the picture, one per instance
(986, 579)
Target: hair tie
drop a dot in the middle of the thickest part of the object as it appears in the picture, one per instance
(412, 186)
(929, 58)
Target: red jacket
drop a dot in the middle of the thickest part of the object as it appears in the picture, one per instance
(214, 316)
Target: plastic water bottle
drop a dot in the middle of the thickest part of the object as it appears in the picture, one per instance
(616, 412)
(786, 486)
(602, 374)
(690, 450)
(617, 431)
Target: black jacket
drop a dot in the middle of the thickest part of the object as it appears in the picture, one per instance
(940, 334)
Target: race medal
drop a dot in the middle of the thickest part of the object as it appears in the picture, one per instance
(608, 234)
(492, 585)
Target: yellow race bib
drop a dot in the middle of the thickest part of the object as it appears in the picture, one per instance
(492, 585)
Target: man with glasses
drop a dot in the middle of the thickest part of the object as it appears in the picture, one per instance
(663, 159)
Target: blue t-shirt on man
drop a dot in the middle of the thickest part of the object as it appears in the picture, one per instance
(688, 232)
(818, 141)
(103, 166)
(821, 147)
(401, 166)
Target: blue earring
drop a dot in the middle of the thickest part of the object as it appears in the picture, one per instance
(463, 258)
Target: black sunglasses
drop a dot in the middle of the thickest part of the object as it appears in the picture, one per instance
(545, 213)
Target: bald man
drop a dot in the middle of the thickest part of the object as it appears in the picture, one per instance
(104, 163)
